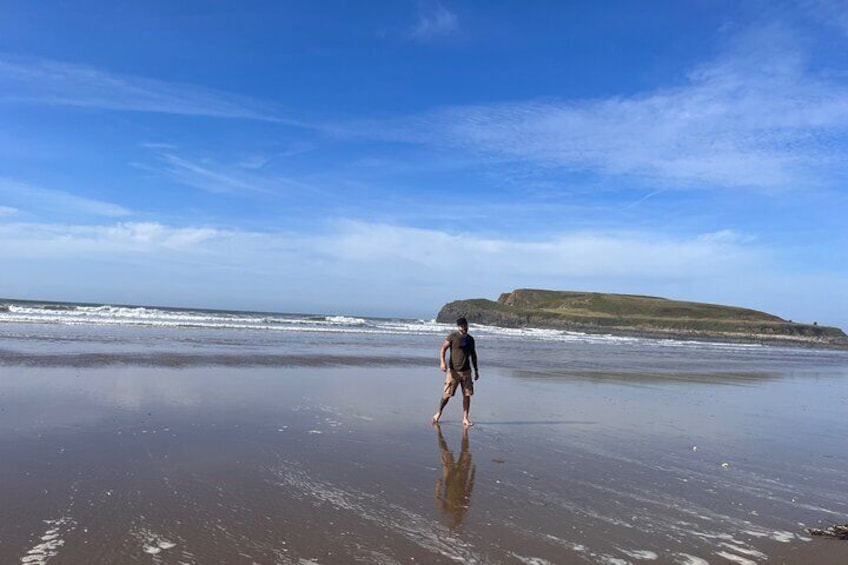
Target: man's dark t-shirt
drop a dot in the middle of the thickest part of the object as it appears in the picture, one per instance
(461, 351)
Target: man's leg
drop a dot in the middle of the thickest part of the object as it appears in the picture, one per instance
(442, 405)
(451, 385)
(466, 408)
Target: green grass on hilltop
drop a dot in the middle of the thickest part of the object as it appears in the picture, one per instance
(597, 304)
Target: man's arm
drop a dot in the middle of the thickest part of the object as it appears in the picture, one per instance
(474, 363)
(445, 347)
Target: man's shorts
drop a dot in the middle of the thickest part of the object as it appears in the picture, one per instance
(454, 379)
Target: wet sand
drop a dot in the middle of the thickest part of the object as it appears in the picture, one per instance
(130, 464)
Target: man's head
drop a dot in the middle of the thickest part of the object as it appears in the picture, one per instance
(462, 325)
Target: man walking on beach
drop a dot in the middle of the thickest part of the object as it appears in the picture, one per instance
(463, 356)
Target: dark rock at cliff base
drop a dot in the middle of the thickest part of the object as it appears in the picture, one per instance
(625, 314)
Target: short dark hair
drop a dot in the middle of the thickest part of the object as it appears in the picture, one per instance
(461, 322)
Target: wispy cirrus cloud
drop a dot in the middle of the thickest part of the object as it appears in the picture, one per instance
(45, 81)
(209, 176)
(261, 161)
(213, 176)
(434, 20)
(38, 200)
(757, 117)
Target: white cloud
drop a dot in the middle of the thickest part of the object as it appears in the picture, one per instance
(434, 20)
(389, 270)
(726, 236)
(42, 200)
(159, 145)
(756, 117)
(152, 235)
(59, 83)
(384, 246)
(6, 211)
(378, 263)
(32, 240)
(578, 254)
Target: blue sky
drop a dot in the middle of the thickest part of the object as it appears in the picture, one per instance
(384, 158)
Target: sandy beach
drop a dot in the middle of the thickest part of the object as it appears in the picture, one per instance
(303, 465)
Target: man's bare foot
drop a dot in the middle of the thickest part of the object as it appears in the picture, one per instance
(436, 417)
(467, 423)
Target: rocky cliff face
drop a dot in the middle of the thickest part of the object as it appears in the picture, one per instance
(635, 315)
(486, 312)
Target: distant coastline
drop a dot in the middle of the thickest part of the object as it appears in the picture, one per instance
(640, 316)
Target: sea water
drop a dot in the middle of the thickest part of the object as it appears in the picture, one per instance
(29, 330)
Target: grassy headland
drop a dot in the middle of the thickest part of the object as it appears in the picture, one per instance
(626, 314)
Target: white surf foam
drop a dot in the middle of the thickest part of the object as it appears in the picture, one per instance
(610, 560)
(733, 558)
(532, 560)
(641, 554)
(153, 543)
(751, 552)
(50, 542)
(686, 559)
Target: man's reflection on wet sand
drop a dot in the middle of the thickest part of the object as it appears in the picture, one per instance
(453, 488)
